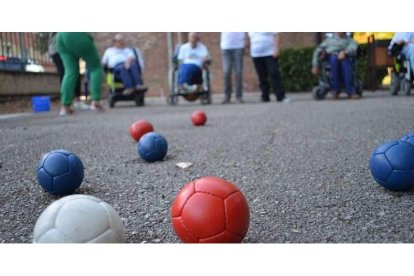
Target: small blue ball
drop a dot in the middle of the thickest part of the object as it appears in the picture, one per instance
(152, 147)
(392, 165)
(60, 172)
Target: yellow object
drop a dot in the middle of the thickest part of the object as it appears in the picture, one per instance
(111, 83)
(362, 37)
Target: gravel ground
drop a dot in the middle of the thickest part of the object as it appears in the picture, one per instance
(303, 166)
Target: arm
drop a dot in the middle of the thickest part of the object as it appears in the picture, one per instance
(276, 38)
(246, 43)
(207, 57)
(130, 59)
(180, 55)
(140, 60)
(105, 58)
(316, 54)
(352, 48)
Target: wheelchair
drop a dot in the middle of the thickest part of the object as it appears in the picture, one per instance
(401, 72)
(320, 91)
(116, 89)
(173, 87)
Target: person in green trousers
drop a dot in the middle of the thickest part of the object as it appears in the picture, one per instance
(71, 47)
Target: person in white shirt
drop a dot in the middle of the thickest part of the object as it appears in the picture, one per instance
(193, 56)
(264, 49)
(407, 40)
(123, 62)
(232, 48)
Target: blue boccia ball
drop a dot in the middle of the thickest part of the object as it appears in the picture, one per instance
(152, 147)
(409, 137)
(60, 172)
(392, 165)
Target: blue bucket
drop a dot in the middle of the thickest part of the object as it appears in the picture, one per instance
(41, 103)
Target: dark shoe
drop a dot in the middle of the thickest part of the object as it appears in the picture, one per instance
(225, 101)
(240, 101)
(336, 96)
(265, 99)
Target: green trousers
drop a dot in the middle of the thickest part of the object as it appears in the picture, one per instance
(72, 47)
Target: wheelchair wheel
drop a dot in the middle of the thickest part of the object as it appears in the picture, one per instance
(318, 93)
(139, 100)
(111, 101)
(206, 98)
(359, 88)
(406, 87)
(172, 99)
(395, 84)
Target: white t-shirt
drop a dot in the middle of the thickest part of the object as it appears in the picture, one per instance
(114, 56)
(189, 55)
(262, 44)
(232, 40)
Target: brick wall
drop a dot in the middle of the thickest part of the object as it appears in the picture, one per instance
(155, 52)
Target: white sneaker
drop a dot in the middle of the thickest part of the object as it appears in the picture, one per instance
(96, 106)
(286, 100)
(81, 105)
(128, 91)
(65, 110)
(190, 88)
(141, 87)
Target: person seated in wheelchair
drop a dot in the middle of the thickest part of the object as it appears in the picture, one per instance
(338, 51)
(193, 57)
(126, 64)
(403, 42)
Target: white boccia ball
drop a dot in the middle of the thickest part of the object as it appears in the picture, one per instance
(79, 219)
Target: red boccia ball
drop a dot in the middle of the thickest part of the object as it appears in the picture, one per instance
(139, 128)
(210, 210)
(199, 118)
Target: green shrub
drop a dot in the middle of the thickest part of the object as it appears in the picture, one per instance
(295, 69)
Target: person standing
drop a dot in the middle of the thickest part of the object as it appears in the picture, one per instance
(232, 49)
(53, 52)
(264, 50)
(71, 47)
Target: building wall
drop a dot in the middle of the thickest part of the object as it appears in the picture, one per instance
(155, 52)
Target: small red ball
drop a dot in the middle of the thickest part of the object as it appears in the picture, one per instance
(199, 118)
(139, 128)
(210, 210)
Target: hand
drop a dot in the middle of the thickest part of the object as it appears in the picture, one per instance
(127, 64)
(276, 54)
(341, 55)
(315, 70)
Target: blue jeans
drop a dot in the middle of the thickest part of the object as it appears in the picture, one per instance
(130, 77)
(232, 58)
(341, 70)
(189, 74)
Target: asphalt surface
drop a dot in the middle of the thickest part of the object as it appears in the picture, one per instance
(302, 166)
